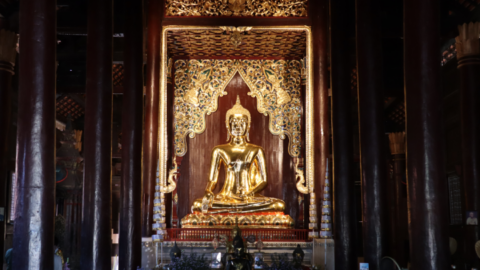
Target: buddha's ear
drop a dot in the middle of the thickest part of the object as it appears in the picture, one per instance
(228, 133)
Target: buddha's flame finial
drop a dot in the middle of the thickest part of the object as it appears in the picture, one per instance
(238, 109)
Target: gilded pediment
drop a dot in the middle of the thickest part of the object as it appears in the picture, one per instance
(266, 8)
(275, 84)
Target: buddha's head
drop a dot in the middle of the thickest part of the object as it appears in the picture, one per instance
(238, 120)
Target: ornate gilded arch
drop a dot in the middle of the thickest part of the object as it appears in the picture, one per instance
(276, 84)
(198, 84)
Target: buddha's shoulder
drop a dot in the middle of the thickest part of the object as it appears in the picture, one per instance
(221, 147)
(227, 146)
(255, 147)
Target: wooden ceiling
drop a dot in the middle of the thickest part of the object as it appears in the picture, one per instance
(254, 44)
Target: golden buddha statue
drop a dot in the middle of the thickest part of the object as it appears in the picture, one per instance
(246, 176)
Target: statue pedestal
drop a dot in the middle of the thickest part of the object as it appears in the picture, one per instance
(261, 220)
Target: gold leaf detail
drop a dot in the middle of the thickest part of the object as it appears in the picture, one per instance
(275, 84)
(198, 84)
(274, 8)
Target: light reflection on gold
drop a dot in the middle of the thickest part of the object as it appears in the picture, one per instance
(300, 179)
(246, 221)
(246, 172)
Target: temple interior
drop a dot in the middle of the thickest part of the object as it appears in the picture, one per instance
(239, 134)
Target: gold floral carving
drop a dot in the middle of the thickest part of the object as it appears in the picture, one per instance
(275, 8)
(235, 34)
(236, 6)
(245, 221)
(198, 84)
(275, 84)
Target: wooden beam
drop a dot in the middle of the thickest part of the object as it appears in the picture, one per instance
(236, 21)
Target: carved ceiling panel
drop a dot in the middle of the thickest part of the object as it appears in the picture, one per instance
(265, 8)
(254, 44)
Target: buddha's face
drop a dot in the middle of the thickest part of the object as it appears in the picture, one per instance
(238, 124)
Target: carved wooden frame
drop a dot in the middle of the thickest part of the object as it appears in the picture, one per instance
(309, 111)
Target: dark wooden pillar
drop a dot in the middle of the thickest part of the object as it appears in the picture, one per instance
(372, 146)
(468, 55)
(132, 133)
(426, 179)
(35, 204)
(150, 140)
(97, 183)
(398, 215)
(320, 88)
(343, 184)
(8, 54)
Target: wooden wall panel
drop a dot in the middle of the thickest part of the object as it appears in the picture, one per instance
(196, 163)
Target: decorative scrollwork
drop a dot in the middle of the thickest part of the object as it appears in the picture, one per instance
(236, 34)
(276, 85)
(275, 8)
(300, 178)
(198, 84)
(172, 178)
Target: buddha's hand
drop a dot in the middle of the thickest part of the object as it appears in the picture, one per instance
(207, 201)
(246, 196)
(208, 196)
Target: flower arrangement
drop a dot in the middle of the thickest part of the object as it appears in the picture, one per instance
(280, 262)
(190, 262)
